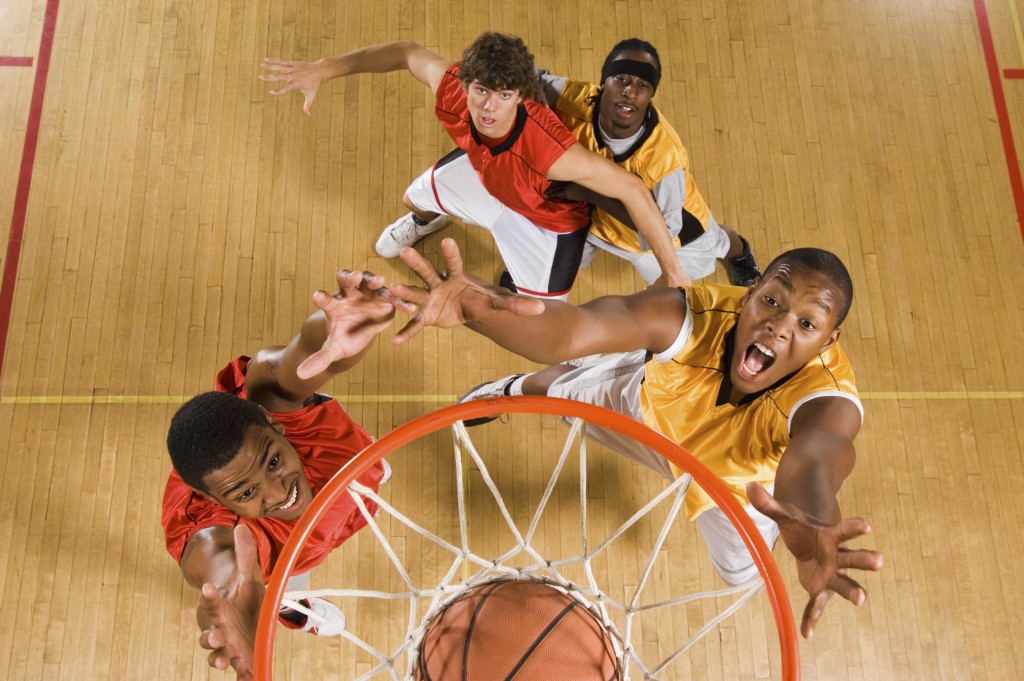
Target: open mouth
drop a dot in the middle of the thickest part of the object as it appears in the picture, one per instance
(624, 111)
(756, 359)
(292, 498)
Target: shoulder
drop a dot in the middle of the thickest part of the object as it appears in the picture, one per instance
(662, 153)
(575, 98)
(543, 118)
(826, 382)
(450, 96)
(708, 298)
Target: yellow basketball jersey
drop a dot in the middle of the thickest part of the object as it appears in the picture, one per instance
(657, 153)
(687, 399)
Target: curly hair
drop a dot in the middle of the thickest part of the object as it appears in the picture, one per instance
(827, 264)
(499, 62)
(207, 432)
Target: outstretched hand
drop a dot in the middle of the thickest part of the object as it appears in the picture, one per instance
(821, 555)
(362, 308)
(228, 616)
(452, 298)
(304, 76)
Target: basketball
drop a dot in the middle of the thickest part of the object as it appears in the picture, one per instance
(526, 631)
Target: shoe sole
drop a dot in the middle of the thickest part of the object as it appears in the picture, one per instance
(470, 423)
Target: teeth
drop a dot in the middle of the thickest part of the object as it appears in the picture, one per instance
(764, 349)
(291, 499)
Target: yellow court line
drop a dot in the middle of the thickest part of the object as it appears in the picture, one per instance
(180, 399)
(448, 399)
(942, 395)
(1017, 30)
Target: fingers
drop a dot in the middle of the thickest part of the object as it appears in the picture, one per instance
(851, 528)
(213, 639)
(275, 64)
(422, 267)
(409, 295)
(413, 327)
(848, 588)
(522, 306)
(763, 501)
(246, 558)
(368, 282)
(452, 257)
(812, 613)
(313, 365)
(307, 105)
(219, 659)
(859, 559)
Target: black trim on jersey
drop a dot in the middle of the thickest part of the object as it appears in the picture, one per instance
(566, 262)
(517, 129)
(650, 122)
(691, 229)
(449, 157)
(726, 389)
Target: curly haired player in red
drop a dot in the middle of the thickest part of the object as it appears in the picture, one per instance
(511, 149)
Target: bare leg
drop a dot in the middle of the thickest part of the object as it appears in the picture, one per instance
(735, 243)
(538, 383)
(424, 216)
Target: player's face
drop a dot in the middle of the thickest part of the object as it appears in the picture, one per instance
(787, 318)
(265, 479)
(625, 99)
(493, 111)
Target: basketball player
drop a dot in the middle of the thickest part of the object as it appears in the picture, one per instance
(510, 149)
(248, 460)
(618, 121)
(751, 381)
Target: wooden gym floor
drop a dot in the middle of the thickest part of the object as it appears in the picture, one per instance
(162, 213)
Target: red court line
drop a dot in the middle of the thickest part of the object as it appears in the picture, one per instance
(28, 159)
(1003, 117)
(1013, 74)
(15, 61)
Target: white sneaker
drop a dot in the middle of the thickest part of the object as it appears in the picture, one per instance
(326, 620)
(485, 391)
(405, 232)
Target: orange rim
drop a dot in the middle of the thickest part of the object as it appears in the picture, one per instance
(442, 418)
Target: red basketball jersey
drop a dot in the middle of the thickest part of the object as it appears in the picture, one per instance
(325, 438)
(515, 171)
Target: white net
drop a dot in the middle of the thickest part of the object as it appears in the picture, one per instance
(624, 581)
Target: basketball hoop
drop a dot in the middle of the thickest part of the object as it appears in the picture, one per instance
(524, 561)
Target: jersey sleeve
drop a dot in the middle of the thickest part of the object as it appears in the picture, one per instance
(551, 87)
(670, 194)
(185, 512)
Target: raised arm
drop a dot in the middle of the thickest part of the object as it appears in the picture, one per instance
(307, 77)
(818, 459)
(600, 175)
(222, 563)
(547, 332)
(331, 341)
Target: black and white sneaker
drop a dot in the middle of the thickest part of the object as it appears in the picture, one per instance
(405, 231)
(485, 391)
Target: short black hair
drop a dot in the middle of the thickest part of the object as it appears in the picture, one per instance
(499, 62)
(207, 432)
(632, 44)
(824, 262)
